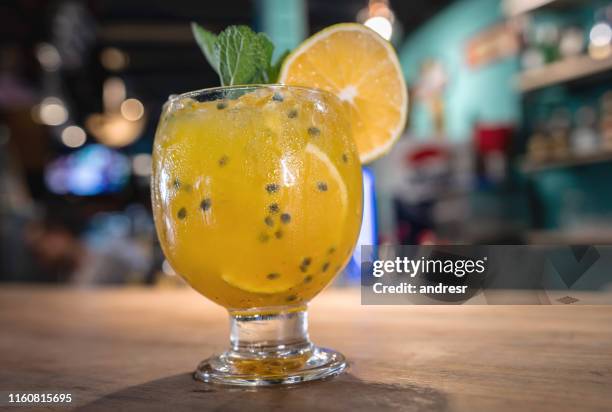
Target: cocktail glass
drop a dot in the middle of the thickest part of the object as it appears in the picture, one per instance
(257, 200)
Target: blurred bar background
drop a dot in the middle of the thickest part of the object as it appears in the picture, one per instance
(509, 139)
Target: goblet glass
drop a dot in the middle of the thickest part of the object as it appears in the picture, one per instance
(257, 200)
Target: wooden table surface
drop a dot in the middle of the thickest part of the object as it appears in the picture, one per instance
(135, 349)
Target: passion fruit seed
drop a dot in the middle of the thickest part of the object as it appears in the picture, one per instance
(292, 114)
(272, 188)
(322, 186)
(305, 263)
(264, 237)
(182, 213)
(273, 276)
(221, 105)
(314, 131)
(325, 267)
(291, 298)
(205, 204)
(277, 97)
(269, 221)
(308, 279)
(344, 157)
(285, 218)
(223, 160)
(331, 250)
(278, 234)
(176, 183)
(274, 208)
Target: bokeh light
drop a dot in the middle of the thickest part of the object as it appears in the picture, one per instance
(48, 57)
(114, 59)
(113, 93)
(73, 136)
(53, 112)
(88, 171)
(141, 164)
(600, 35)
(132, 109)
(380, 25)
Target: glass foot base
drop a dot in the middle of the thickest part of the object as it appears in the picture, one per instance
(308, 365)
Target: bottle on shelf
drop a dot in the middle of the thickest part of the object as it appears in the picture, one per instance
(585, 139)
(538, 145)
(571, 43)
(559, 126)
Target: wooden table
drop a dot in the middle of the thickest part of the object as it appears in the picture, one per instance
(135, 349)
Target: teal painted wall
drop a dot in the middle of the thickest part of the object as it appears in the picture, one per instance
(481, 94)
(285, 21)
(568, 197)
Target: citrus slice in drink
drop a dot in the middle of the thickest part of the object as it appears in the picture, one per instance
(362, 69)
(323, 188)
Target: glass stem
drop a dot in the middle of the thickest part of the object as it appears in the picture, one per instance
(279, 334)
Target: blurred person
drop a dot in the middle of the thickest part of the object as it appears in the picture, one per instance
(56, 248)
(58, 245)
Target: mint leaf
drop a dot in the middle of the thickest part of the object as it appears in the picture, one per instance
(206, 40)
(274, 69)
(242, 56)
(239, 55)
(268, 48)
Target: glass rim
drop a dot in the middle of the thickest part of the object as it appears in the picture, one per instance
(199, 92)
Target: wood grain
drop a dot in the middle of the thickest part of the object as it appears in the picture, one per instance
(134, 349)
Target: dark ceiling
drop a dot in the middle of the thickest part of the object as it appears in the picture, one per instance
(155, 34)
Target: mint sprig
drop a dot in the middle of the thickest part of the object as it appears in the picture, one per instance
(239, 55)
